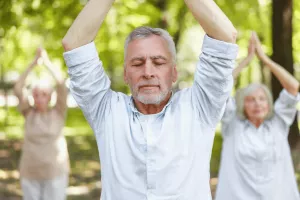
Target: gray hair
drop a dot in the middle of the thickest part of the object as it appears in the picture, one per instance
(242, 93)
(145, 31)
(42, 84)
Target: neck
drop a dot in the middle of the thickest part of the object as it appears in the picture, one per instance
(256, 122)
(148, 109)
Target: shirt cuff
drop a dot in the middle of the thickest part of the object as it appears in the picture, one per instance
(80, 55)
(288, 97)
(219, 48)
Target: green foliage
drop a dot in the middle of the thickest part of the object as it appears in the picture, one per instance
(296, 32)
(75, 125)
(216, 155)
(27, 24)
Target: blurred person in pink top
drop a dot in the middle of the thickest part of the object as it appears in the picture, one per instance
(44, 165)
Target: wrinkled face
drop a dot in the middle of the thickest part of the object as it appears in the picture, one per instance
(256, 105)
(41, 98)
(149, 69)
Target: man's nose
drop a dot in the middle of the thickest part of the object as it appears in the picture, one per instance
(149, 70)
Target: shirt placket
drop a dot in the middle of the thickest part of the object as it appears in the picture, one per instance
(150, 161)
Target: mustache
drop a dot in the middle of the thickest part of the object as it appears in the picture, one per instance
(147, 83)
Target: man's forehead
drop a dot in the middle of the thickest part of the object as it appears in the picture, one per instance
(142, 48)
(146, 43)
(144, 57)
(148, 54)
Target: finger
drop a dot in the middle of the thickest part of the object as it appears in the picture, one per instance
(253, 36)
(256, 38)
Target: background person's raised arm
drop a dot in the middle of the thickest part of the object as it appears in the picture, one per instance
(287, 80)
(214, 22)
(85, 27)
(245, 62)
(57, 76)
(19, 85)
(61, 89)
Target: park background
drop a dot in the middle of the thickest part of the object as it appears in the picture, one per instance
(27, 24)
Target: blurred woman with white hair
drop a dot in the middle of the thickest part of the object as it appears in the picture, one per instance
(44, 165)
(256, 161)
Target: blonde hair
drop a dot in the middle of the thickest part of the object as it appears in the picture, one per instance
(242, 93)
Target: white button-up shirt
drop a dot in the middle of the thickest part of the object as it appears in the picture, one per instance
(163, 156)
(256, 163)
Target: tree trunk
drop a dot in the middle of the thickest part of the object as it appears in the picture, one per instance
(282, 49)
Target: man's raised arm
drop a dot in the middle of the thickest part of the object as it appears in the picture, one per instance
(89, 84)
(85, 27)
(213, 77)
(214, 22)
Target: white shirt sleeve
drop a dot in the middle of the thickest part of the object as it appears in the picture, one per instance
(230, 111)
(89, 84)
(285, 107)
(228, 116)
(213, 79)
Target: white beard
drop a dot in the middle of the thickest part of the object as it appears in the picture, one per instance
(148, 98)
(152, 99)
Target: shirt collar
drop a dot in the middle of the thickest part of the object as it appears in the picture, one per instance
(266, 123)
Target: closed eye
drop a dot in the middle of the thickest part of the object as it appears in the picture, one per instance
(159, 64)
(159, 61)
(137, 65)
(137, 61)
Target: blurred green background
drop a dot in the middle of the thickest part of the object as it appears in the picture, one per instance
(28, 24)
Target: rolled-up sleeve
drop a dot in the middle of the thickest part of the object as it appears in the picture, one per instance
(285, 107)
(213, 79)
(89, 84)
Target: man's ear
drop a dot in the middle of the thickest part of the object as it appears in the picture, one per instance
(174, 74)
(125, 75)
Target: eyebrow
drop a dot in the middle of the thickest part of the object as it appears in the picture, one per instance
(152, 58)
(158, 57)
(137, 59)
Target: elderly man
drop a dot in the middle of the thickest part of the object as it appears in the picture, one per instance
(154, 144)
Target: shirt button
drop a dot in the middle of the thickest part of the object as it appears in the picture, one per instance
(150, 186)
(150, 163)
(149, 194)
(144, 148)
